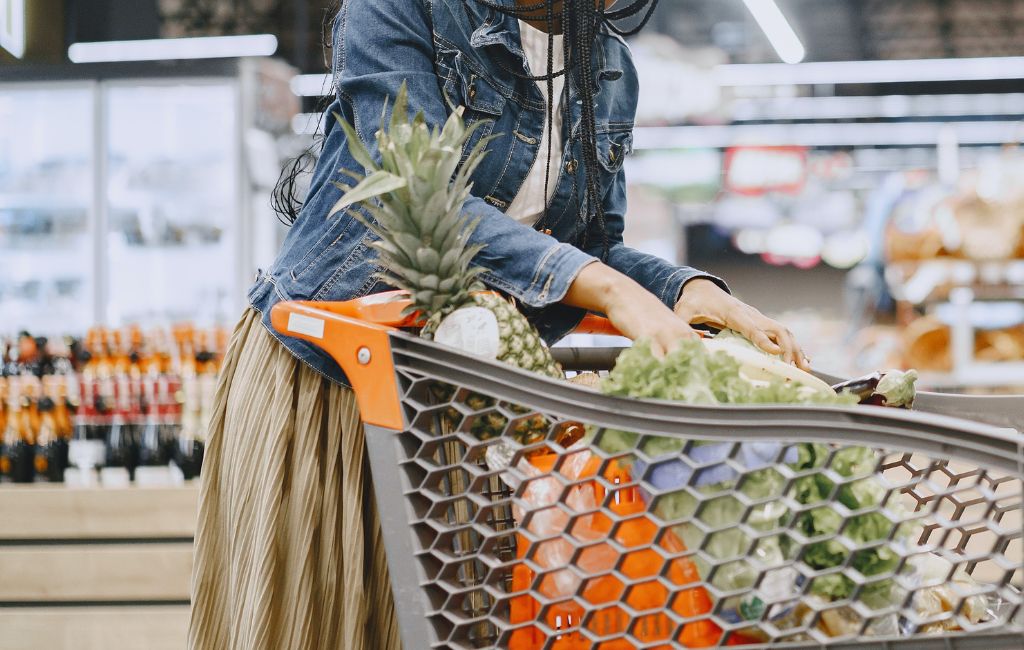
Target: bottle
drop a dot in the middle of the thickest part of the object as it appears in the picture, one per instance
(9, 435)
(121, 435)
(3, 404)
(21, 449)
(54, 430)
(51, 449)
(152, 450)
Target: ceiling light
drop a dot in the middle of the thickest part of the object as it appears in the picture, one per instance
(778, 30)
(165, 49)
(12, 27)
(311, 85)
(870, 72)
(307, 123)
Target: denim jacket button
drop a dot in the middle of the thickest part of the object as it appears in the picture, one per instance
(570, 167)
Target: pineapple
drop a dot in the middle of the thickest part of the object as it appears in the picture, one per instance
(416, 197)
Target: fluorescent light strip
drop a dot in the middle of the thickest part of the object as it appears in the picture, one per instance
(311, 85)
(907, 134)
(868, 72)
(884, 107)
(161, 49)
(778, 30)
(307, 123)
(12, 27)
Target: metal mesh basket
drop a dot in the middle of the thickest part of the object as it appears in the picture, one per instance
(526, 513)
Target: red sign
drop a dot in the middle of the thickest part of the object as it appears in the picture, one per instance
(752, 171)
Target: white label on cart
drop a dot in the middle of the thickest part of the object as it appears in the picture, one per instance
(471, 329)
(301, 324)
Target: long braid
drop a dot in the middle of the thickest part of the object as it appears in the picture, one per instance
(549, 10)
(583, 32)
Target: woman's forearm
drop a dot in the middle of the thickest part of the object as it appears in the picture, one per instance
(597, 288)
(633, 310)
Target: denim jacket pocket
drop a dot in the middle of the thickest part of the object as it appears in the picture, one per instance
(479, 97)
(612, 149)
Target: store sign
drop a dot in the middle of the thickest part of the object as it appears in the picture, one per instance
(753, 171)
(12, 26)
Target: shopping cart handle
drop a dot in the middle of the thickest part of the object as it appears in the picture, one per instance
(388, 309)
(594, 324)
(360, 346)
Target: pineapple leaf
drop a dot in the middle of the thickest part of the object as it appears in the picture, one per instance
(355, 146)
(428, 259)
(356, 176)
(400, 113)
(454, 128)
(378, 183)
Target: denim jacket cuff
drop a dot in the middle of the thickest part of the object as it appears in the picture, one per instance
(678, 281)
(554, 275)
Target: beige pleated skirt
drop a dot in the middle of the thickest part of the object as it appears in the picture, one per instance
(289, 554)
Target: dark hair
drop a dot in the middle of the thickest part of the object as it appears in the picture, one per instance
(581, 21)
(285, 199)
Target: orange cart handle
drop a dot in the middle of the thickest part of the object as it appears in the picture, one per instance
(361, 347)
(355, 334)
(386, 309)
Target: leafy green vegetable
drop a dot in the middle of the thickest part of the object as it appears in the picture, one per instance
(693, 375)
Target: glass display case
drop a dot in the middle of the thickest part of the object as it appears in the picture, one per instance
(137, 193)
(46, 207)
(171, 204)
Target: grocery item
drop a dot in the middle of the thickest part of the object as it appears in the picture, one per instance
(700, 374)
(893, 388)
(416, 206)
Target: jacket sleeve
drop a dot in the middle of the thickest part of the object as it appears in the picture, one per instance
(378, 44)
(658, 276)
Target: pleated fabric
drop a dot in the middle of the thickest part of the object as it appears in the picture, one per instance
(289, 553)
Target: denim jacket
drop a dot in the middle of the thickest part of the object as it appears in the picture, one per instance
(467, 52)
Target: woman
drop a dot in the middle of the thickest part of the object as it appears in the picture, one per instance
(288, 550)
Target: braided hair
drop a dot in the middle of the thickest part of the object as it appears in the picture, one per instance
(580, 22)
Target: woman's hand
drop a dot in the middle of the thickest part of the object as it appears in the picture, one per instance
(633, 310)
(705, 303)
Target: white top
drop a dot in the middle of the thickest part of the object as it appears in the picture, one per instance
(529, 205)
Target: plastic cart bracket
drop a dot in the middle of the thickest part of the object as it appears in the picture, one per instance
(362, 349)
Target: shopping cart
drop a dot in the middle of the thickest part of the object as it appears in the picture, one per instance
(510, 521)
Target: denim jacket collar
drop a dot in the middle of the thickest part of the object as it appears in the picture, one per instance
(496, 28)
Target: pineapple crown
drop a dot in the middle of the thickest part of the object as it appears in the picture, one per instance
(416, 196)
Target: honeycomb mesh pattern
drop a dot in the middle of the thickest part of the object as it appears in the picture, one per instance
(533, 531)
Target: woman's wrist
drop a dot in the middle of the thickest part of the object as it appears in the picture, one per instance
(697, 285)
(598, 288)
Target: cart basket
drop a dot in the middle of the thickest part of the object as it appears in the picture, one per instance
(524, 512)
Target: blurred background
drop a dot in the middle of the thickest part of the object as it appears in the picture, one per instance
(853, 167)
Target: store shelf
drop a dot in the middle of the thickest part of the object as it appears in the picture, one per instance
(136, 573)
(93, 569)
(54, 512)
(94, 628)
(880, 134)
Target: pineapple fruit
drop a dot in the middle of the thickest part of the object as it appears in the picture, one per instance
(416, 197)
